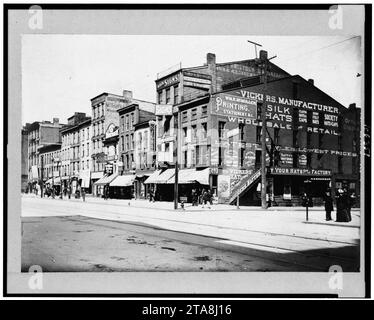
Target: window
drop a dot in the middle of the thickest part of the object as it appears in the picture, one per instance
(309, 160)
(184, 116)
(241, 131)
(295, 158)
(132, 141)
(198, 155)
(185, 158)
(194, 113)
(221, 129)
(167, 125)
(320, 139)
(159, 97)
(176, 93)
(145, 140)
(340, 164)
(258, 158)
(127, 123)
(204, 110)
(184, 134)
(193, 134)
(276, 136)
(308, 139)
(258, 134)
(220, 156)
(259, 110)
(193, 157)
(168, 95)
(204, 127)
(242, 155)
(294, 138)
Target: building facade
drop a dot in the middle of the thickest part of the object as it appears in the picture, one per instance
(136, 148)
(50, 166)
(75, 150)
(312, 141)
(40, 134)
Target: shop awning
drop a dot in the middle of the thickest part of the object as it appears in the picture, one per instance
(187, 176)
(56, 180)
(97, 175)
(165, 176)
(152, 178)
(106, 180)
(122, 181)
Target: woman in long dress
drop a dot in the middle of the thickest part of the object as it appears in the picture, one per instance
(342, 207)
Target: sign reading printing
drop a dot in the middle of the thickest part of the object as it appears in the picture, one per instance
(234, 106)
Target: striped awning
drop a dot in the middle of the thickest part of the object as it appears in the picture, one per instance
(187, 176)
(106, 180)
(123, 181)
(153, 177)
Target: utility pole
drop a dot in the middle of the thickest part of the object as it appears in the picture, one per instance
(41, 176)
(176, 161)
(264, 62)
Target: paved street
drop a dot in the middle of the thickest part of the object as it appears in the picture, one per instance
(122, 235)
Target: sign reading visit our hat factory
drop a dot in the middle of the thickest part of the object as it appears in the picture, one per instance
(298, 171)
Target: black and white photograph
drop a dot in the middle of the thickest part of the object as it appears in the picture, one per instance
(188, 150)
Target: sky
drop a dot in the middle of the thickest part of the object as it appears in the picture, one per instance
(61, 73)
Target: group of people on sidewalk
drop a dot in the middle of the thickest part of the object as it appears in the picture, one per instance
(203, 197)
(344, 203)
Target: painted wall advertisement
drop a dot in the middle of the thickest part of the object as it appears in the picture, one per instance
(241, 106)
(223, 186)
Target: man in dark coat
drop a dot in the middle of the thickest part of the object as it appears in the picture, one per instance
(328, 205)
(342, 206)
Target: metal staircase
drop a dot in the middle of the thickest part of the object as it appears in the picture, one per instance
(244, 184)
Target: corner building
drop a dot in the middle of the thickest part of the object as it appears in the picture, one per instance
(312, 140)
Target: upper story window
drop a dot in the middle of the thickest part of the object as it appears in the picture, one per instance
(176, 95)
(167, 95)
(221, 129)
(184, 116)
(204, 110)
(194, 113)
(159, 97)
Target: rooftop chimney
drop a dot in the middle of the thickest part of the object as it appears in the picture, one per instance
(56, 120)
(212, 69)
(127, 94)
(211, 58)
(311, 81)
(352, 106)
(263, 54)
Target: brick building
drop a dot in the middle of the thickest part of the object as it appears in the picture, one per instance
(50, 166)
(75, 150)
(40, 134)
(136, 149)
(310, 137)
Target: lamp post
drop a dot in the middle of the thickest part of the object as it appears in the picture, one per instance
(307, 191)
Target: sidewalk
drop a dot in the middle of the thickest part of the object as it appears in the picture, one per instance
(221, 221)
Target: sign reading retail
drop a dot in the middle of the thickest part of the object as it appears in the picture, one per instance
(300, 172)
(164, 110)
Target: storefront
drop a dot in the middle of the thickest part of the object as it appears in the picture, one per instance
(95, 177)
(122, 187)
(102, 183)
(286, 185)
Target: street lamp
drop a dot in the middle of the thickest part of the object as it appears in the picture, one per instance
(58, 161)
(307, 191)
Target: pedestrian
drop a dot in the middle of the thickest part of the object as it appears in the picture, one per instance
(69, 192)
(205, 198)
(194, 197)
(329, 206)
(83, 193)
(342, 203)
(107, 193)
(210, 197)
(150, 193)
